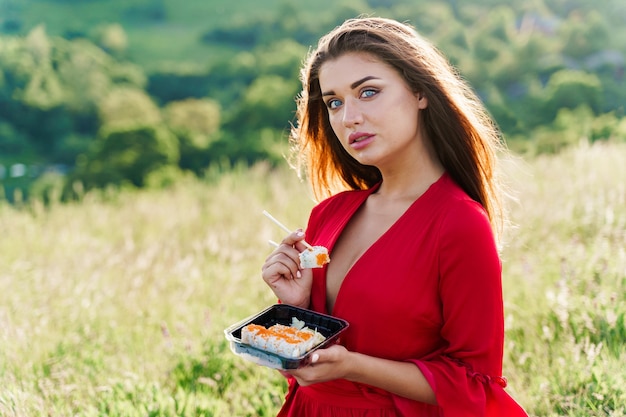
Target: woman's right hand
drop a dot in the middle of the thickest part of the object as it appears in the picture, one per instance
(282, 272)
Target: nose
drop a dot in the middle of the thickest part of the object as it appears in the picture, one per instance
(352, 114)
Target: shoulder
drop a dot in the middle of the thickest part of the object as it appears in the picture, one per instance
(333, 212)
(466, 239)
(460, 214)
(341, 200)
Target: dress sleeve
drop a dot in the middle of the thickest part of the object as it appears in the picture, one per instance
(466, 373)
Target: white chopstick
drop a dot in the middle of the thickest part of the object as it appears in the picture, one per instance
(285, 228)
(272, 243)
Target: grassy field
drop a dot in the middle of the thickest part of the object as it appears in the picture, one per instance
(115, 306)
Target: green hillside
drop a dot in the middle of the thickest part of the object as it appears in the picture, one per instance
(160, 31)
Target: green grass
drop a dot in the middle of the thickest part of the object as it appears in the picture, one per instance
(115, 306)
(565, 271)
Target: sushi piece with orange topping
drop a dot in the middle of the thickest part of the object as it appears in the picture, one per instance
(314, 257)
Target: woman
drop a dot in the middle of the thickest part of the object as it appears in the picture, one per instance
(402, 155)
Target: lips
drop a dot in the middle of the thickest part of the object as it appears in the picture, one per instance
(357, 137)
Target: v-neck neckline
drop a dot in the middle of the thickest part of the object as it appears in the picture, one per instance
(374, 244)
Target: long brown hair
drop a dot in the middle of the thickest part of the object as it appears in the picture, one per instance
(462, 134)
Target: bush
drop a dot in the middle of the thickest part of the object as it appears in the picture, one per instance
(127, 106)
(126, 155)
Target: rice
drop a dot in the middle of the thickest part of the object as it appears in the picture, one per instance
(314, 258)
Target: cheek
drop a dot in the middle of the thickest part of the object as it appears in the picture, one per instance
(405, 118)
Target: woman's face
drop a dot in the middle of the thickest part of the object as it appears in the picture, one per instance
(372, 110)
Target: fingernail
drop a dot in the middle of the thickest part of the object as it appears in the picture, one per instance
(314, 358)
(298, 274)
(299, 233)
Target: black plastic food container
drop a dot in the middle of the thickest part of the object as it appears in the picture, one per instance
(330, 327)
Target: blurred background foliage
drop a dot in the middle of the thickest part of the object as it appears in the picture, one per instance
(100, 93)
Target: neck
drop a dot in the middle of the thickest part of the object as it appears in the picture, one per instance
(410, 181)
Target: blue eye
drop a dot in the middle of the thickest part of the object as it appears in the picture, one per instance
(369, 93)
(333, 103)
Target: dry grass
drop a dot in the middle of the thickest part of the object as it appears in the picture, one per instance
(116, 306)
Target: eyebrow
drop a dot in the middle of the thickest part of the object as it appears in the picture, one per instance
(353, 85)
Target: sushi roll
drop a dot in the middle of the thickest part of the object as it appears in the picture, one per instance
(283, 340)
(316, 257)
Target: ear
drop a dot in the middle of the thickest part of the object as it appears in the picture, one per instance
(422, 101)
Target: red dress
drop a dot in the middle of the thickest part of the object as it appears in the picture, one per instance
(428, 291)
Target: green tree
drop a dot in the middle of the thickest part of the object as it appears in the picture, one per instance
(126, 155)
(265, 144)
(128, 106)
(196, 123)
(43, 88)
(268, 102)
(584, 33)
(282, 58)
(112, 38)
(12, 142)
(572, 88)
(201, 116)
(50, 89)
(185, 80)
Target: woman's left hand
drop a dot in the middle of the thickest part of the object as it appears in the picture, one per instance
(326, 365)
(336, 362)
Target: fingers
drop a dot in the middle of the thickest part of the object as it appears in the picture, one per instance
(293, 238)
(325, 365)
(275, 270)
(331, 354)
(282, 273)
(290, 246)
(282, 253)
(284, 261)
